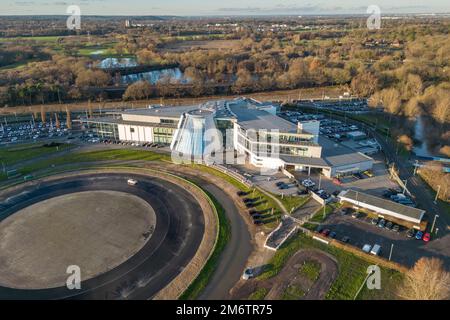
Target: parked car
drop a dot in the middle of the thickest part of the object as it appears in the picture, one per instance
(369, 173)
(396, 228)
(325, 232)
(333, 235)
(241, 193)
(389, 225)
(374, 221)
(257, 222)
(346, 239)
(411, 233)
(376, 250)
(381, 223)
(419, 235)
(426, 237)
(279, 183)
(319, 229)
(248, 274)
(355, 214)
(367, 248)
(252, 212)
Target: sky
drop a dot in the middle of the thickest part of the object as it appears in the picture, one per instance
(215, 7)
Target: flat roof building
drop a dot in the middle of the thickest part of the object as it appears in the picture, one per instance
(383, 207)
(254, 129)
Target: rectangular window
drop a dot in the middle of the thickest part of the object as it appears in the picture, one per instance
(132, 130)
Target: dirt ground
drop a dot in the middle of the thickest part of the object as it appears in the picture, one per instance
(62, 230)
(290, 276)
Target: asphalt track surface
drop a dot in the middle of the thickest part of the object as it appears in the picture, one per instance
(234, 258)
(177, 236)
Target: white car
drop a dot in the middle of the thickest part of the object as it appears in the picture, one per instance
(366, 248)
(132, 182)
(248, 274)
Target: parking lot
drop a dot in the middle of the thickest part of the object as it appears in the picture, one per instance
(32, 131)
(405, 250)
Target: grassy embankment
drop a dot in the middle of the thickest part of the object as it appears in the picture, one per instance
(352, 270)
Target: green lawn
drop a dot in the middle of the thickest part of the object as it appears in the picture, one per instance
(311, 270)
(266, 203)
(12, 155)
(94, 156)
(320, 217)
(259, 294)
(352, 270)
(293, 292)
(291, 203)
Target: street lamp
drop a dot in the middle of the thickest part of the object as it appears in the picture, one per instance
(434, 223)
(390, 253)
(404, 186)
(437, 194)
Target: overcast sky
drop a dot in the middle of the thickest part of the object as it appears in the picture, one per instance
(215, 7)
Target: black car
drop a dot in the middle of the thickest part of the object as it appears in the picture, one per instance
(257, 222)
(279, 183)
(411, 233)
(256, 216)
(241, 193)
(332, 235)
(252, 212)
(250, 205)
(247, 200)
(319, 229)
(346, 239)
(302, 192)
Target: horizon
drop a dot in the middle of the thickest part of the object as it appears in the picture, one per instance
(202, 8)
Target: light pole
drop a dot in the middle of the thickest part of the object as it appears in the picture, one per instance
(437, 194)
(390, 254)
(434, 222)
(404, 187)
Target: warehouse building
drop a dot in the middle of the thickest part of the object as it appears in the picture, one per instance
(411, 217)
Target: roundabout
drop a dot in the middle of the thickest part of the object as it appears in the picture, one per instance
(130, 242)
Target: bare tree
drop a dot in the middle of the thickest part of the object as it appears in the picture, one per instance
(427, 280)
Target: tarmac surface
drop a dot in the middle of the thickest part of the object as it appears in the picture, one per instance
(177, 234)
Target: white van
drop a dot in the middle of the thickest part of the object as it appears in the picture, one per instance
(376, 250)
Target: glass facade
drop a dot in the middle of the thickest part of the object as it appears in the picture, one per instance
(106, 130)
(163, 135)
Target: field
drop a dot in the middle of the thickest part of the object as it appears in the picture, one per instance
(13, 155)
(200, 44)
(352, 270)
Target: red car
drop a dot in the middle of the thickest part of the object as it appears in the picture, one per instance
(337, 181)
(326, 232)
(426, 237)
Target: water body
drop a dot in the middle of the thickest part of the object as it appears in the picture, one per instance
(422, 148)
(172, 75)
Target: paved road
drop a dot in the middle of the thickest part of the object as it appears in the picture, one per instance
(178, 233)
(234, 258)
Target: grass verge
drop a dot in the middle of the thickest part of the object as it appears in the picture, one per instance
(352, 269)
